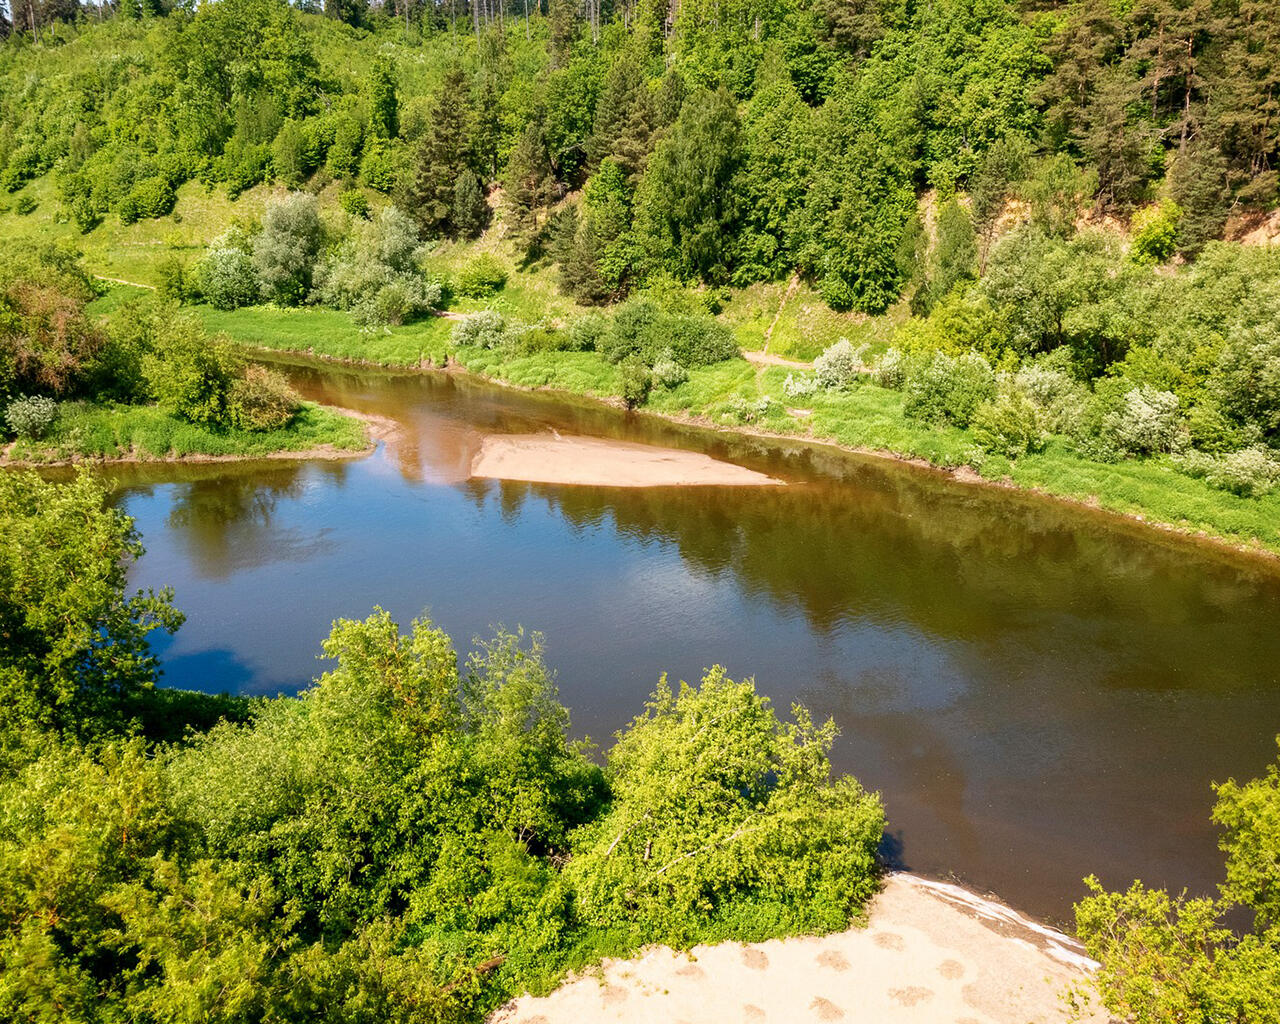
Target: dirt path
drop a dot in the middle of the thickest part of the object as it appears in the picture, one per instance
(764, 359)
(131, 284)
(792, 287)
(932, 954)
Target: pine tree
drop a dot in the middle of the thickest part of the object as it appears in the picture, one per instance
(528, 185)
(442, 157)
(625, 119)
(469, 213)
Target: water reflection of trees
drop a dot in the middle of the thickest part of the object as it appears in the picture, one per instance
(227, 522)
(896, 546)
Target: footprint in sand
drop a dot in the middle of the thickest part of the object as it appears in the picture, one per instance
(887, 940)
(691, 971)
(754, 958)
(826, 1009)
(910, 996)
(951, 969)
(834, 959)
(613, 994)
(750, 1012)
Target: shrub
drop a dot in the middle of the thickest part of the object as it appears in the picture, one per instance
(1155, 232)
(25, 205)
(262, 400)
(30, 417)
(1011, 425)
(485, 329)
(748, 410)
(1250, 472)
(285, 250)
(756, 824)
(1059, 397)
(188, 373)
(375, 272)
(838, 367)
(949, 390)
(667, 373)
(799, 387)
(637, 381)
(177, 283)
(890, 370)
(482, 277)
(587, 331)
(695, 340)
(1145, 423)
(226, 276)
(149, 198)
(354, 202)
(379, 168)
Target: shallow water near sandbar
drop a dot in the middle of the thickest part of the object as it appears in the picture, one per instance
(1039, 691)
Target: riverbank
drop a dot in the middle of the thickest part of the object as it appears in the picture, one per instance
(90, 433)
(930, 952)
(867, 420)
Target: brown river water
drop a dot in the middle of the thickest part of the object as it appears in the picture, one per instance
(1038, 690)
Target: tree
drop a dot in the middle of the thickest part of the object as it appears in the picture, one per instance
(384, 104)
(470, 212)
(1169, 957)
(442, 156)
(951, 259)
(73, 644)
(686, 212)
(625, 118)
(528, 185)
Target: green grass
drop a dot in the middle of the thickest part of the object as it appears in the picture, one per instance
(331, 333)
(91, 431)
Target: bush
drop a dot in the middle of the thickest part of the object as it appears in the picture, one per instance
(667, 373)
(31, 417)
(637, 381)
(587, 331)
(748, 410)
(1155, 232)
(226, 276)
(354, 202)
(190, 374)
(799, 387)
(375, 272)
(285, 250)
(485, 329)
(482, 277)
(756, 824)
(949, 390)
(643, 329)
(177, 283)
(1249, 473)
(890, 370)
(149, 198)
(838, 367)
(1059, 397)
(25, 205)
(1010, 426)
(262, 400)
(1146, 422)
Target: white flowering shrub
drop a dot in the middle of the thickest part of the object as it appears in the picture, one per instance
(890, 370)
(838, 366)
(1250, 472)
(485, 329)
(30, 418)
(801, 386)
(1146, 422)
(667, 373)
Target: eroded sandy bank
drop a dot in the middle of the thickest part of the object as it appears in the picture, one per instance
(557, 459)
(932, 954)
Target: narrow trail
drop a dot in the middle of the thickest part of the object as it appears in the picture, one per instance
(120, 280)
(792, 287)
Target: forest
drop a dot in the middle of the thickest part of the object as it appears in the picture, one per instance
(1021, 237)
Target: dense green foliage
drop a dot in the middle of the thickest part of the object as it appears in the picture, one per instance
(1172, 958)
(409, 840)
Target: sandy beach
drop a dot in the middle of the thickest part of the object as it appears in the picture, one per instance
(556, 459)
(932, 954)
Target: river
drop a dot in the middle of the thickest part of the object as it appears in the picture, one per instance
(1039, 691)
